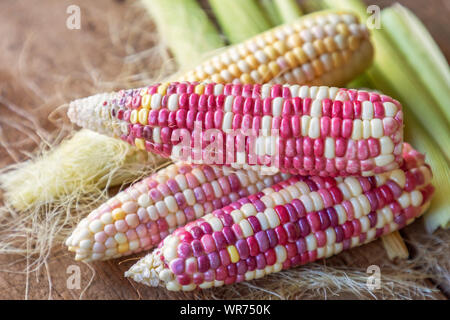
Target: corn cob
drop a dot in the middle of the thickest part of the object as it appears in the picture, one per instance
(298, 130)
(329, 48)
(294, 222)
(139, 217)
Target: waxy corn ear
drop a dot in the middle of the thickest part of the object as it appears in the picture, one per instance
(327, 48)
(139, 217)
(296, 129)
(291, 223)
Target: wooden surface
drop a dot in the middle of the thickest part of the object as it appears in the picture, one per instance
(34, 35)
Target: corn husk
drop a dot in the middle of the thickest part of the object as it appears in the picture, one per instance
(289, 10)
(239, 19)
(184, 28)
(271, 11)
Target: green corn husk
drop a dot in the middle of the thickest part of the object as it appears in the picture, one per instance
(271, 12)
(239, 19)
(185, 29)
(288, 10)
(421, 52)
(393, 76)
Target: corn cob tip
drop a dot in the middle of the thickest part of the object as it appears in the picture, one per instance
(146, 271)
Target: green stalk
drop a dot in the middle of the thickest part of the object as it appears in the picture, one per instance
(421, 52)
(239, 19)
(393, 76)
(289, 10)
(185, 28)
(271, 12)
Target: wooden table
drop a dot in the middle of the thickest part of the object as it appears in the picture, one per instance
(36, 36)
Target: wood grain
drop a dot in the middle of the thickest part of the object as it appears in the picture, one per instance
(36, 35)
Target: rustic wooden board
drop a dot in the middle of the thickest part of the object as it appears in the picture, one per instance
(37, 35)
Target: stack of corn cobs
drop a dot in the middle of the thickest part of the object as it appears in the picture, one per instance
(272, 168)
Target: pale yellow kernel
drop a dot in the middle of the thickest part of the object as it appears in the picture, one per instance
(199, 89)
(405, 200)
(107, 218)
(134, 116)
(280, 47)
(305, 125)
(346, 192)
(317, 200)
(199, 210)
(251, 60)
(386, 145)
(357, 210)
(277, 199)
(330, 45)
(384, 160)
(143, 116)
(272, 218)
(207, 284)
(173, 286)
(354, 186)
(263, 220)
(387, 214)
(319, 46)
(302, 187)
(300, 55)
(281, 253)
(268, 201)
(171, 204)
(162, 208)
(216, 224)
(274, 68)
(286, 195)
(293, 191)
(270, 52)
(250, 275)
(248, 209)
(307, 202)
(237, 215)
(294, 41)
(145, 101)
(329, 148)
(380, 220)
(155, 103)
(246, 228)
(246, 79)
(311, 242)
(357, 129)
(331, 236)
(367, 110)
(365, 204)
(259, 273)
(377, 128)
(390, 109)
(365, 223)
(342, 214)
(234, 70)
(118, 214)
(216, 78)
(366, 129)
(291, 59)
(162, 88)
